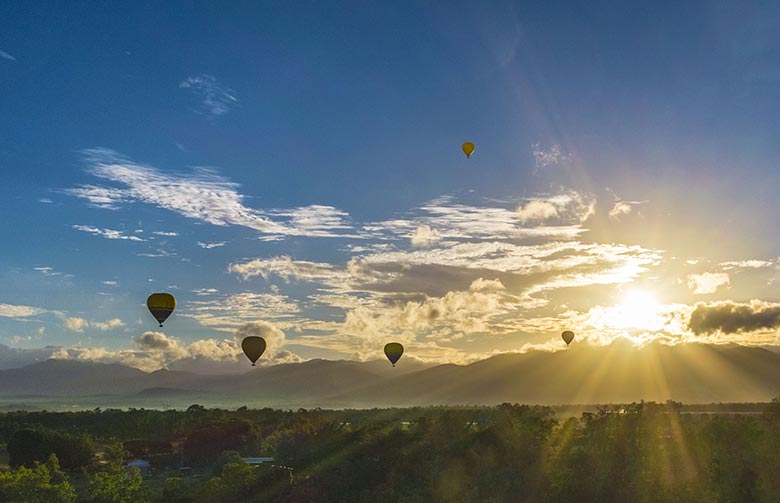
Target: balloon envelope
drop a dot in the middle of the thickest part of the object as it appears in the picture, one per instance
(393, 351)
(161, 305)
(253, 347)
(567, 337)
(468, 148)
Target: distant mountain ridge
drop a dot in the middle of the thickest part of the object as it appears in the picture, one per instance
(691, 373)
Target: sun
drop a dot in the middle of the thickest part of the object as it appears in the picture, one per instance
(638, 309)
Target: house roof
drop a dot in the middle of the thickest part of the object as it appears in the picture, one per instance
(257, 461)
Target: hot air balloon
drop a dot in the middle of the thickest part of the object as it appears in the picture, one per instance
(253, 347)
(567, 337)
(393, 351)
(161, 305)
(468, 148)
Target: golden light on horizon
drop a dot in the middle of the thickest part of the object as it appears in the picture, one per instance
(637, 310)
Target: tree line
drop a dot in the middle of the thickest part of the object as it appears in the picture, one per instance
(641, 452)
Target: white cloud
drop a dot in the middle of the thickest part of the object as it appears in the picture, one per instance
(570, 206)
(424, 235)
(155, 350)
(106, 233)
(537, 210)
(215, 99)
(107, 325)
(110, 283)
(274, 339)
(158, 342)
(707, 282)
(7, 56)
(165, 233)
(209, 246)
(17, 311)
(201, 195)
(76, 324)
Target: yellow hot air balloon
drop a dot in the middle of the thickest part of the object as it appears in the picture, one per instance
(393, 351)
(468, 148)
(253, 347)
(567, 336)
(161, 305)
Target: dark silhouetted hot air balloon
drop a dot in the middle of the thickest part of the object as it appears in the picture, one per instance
(567, 337)
(253, 347)
(468, 148)
(393, 351)
(161, 305)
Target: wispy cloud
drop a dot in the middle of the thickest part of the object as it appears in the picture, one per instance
(159, 253)
(545, 157)
(19, 311)
(226, 312)
(746, 264)
(205, 291)
(202, 195)
(209, 246)
(165, 233)
(106, 233)
(620, 209)
(286, 268)
(456, 220)
(5, 55)
(215, 99)
(47, 271)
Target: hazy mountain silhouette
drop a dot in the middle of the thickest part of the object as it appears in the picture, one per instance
(691, 373)
(65, 377)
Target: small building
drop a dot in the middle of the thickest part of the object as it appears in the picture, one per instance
(144, 466)
(258, 461)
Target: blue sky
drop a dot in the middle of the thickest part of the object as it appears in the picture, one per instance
(297, 167)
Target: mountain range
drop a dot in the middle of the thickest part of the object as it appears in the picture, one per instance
(582, 374)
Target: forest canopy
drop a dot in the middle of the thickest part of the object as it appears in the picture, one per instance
(643, 452)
